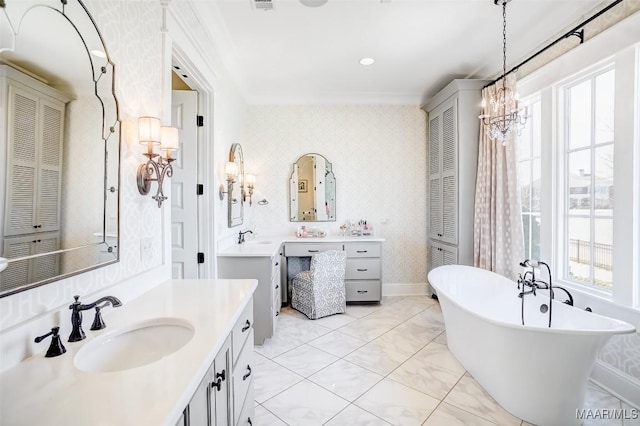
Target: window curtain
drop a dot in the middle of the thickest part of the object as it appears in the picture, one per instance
(498, 242)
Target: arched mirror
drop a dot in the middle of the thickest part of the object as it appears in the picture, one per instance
(236, 198)
(312, 190)
(59, 180)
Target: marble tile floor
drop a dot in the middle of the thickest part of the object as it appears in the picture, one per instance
(378, 364)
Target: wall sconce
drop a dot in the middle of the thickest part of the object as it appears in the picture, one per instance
(151, 133)
(231, 170)
(251, 183)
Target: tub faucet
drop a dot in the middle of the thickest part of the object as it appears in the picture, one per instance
(568, 301)
(76, 307)
(241, 235)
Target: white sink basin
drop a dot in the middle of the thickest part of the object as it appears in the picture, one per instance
(133, 346)
(251, 243)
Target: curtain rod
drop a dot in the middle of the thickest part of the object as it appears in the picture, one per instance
(572, 32)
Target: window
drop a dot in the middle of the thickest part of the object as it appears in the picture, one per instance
(528, 148)
(588, 184)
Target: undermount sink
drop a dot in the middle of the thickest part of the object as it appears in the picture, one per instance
(134, 346)
(258, 242)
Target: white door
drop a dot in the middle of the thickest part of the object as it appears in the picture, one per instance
(184, 202)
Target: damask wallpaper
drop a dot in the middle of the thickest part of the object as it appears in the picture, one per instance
(378, 153)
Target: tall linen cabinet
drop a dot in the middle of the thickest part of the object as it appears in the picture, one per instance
(453, 134)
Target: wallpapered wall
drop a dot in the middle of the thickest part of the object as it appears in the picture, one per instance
(379, 162)
(131, 31)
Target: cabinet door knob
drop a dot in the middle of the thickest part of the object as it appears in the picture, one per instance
(277, 287)
(247, 325)
(277, 263)
(246, 376)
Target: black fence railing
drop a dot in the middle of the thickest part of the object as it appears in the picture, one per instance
(583, 252)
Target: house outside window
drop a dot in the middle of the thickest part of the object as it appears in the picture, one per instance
(588, 123)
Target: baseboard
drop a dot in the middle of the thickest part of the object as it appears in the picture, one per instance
(621, 385)
(401, 289)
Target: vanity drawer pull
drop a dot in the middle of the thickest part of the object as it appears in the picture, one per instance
(362, 269)
(247, 325)
(363, 291)
(362, 251)
(246, 376)
(313, 251)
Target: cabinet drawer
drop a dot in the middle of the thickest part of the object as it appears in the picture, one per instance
(302, 250)
(363, 269)
(247, 415)
(241, 330)
(242, 379)
(363, 249)
(363, 290)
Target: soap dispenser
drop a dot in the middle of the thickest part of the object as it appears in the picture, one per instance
(55, 348)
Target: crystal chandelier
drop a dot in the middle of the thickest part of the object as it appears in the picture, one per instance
(501, 117)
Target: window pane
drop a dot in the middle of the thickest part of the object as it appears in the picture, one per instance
(524, 180)
(603, 253)
(579, 180)
(605, 91)
(580, 115)
(535, 237)
(579, 249)
(524, 141)
(603, 178)
(526, 223)
(535, 185)
(536, 136)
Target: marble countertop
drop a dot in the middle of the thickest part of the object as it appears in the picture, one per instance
(53, 391)
(269, 246)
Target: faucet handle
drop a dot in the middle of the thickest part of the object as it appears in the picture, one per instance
(98, 322)
(55, 348)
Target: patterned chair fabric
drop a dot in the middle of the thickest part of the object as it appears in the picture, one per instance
(321, 291)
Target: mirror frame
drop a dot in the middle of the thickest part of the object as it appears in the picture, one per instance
(236, 156)
(108, 130)
(292, 190)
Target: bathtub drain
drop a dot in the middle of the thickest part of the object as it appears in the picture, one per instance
(544, 308)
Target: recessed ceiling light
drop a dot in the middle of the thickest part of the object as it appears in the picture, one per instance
(99, 53)
(367, 61)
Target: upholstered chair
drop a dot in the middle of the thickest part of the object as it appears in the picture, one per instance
(321, 291)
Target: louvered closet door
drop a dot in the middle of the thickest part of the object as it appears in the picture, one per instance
(435, 182)
(17, 273)
(449, 175)
(50, 166)
(22, 159)
(45, 267)
(435, 256)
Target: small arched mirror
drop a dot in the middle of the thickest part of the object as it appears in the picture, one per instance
(312, 190)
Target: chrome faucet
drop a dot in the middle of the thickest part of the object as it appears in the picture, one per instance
(76, 307)
(535, 284)
(241, 236)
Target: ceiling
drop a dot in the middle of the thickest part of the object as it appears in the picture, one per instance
(295, 54)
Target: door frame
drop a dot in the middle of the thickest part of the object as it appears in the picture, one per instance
(205, 153)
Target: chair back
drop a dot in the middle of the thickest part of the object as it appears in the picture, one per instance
(329, 266)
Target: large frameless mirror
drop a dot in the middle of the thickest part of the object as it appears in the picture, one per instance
(59, 178)
(312, 190)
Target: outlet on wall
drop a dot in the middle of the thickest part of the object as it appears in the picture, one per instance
(146, 249)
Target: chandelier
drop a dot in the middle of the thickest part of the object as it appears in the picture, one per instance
(502, 118)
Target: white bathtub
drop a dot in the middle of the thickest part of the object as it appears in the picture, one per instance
(537, 373)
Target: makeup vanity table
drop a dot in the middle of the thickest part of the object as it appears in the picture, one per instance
(274, 262)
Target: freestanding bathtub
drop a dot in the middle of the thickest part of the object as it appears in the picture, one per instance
(537, 373)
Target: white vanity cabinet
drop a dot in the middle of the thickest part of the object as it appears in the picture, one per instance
(267, 299)
(453, 154)
(363, 275)
(225, 394)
